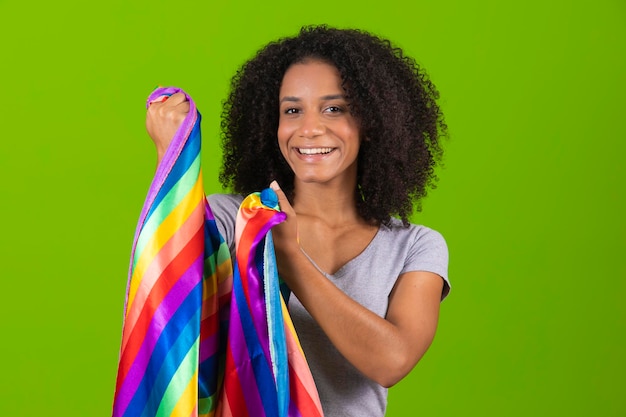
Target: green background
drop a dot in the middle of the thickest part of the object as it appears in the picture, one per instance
(531, 199)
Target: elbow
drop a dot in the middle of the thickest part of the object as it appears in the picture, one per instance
(397, 368)
(398, 363)
(390, 382)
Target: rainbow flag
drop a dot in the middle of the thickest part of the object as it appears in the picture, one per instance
(203, 335)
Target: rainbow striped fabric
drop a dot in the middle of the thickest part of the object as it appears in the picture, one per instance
(203, 335)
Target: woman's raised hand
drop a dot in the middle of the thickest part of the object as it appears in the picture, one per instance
(163, 120)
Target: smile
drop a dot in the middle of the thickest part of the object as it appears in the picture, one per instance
(314, 151)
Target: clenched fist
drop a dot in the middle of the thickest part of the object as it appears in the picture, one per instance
(163, 119)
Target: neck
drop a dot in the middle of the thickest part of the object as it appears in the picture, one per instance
(332, 203)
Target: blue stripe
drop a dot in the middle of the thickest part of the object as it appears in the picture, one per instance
(177, 337)
(276, 325)
(178, 353)
(207, 376)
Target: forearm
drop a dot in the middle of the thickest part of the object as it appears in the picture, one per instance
(160, 154)
(380, 349)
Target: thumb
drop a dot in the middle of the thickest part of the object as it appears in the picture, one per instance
(286, 208)
(282, 198)
(283, 201)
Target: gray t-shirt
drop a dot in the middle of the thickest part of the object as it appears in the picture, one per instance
(368, 279)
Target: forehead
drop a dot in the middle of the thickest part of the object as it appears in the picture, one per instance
(311, 77)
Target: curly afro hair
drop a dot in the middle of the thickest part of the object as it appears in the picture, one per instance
(393, 99)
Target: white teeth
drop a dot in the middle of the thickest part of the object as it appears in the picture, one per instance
(314, 151)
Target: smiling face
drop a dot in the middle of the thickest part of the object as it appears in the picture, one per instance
(317, 134)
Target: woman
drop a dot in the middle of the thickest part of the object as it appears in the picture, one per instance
(346, 130)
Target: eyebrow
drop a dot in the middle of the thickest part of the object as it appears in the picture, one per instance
(328, 97)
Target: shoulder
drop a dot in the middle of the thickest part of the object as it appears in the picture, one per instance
(414, 234)
(225, 204)
(424, 249)
(224, 208)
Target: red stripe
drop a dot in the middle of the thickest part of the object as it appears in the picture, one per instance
(232, 386)
(209, 326)
(177, 267)
(249, 234)
(300, 396)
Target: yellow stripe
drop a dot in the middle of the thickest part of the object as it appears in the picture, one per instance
(225, 270)
(289, 324)
(188, 399)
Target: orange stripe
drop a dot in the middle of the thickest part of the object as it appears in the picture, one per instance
(302, 398)
(223, 409)
(213, 286)
(298, 367)
(209, 296)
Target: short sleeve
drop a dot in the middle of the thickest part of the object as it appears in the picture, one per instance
(225, 208)
(429, 252)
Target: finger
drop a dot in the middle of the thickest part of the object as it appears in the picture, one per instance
(183, 107)
(159, 99)
(177, 98)
(178, 104)
(175, 108)
(169, 101)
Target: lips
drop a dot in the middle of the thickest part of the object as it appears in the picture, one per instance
(314, 151)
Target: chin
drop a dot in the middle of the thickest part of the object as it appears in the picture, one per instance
(310, 179)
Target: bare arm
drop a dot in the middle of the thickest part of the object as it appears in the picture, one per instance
(383, 349)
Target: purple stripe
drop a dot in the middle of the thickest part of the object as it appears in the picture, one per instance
(293, 409)
(162, 315)
(208, 213)
(239, 349)
(208, 347)
(257, 305)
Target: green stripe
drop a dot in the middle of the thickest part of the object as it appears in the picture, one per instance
(206, 405)
(210, 263)
(223, 253)
(179, 382)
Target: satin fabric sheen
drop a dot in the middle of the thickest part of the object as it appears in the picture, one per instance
(204, 335)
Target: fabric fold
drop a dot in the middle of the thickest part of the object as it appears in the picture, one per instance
(205, 335)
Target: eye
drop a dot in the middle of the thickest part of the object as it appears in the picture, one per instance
(291, 110)
(334, 109)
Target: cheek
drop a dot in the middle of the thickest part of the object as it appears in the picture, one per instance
(284, 133)
(283, 138)
(351, 135)
(280, 133)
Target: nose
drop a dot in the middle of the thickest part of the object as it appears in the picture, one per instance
(311, 125)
